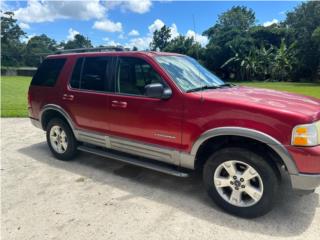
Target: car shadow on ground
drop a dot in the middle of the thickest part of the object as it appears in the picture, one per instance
(291, 216)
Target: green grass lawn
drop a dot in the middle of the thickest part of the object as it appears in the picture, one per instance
(309, 89)
(14, 96)
(14, 93)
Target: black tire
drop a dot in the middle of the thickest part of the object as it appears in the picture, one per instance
(71, 149)
(267, 174)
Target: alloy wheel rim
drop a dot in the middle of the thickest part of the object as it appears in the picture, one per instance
(238, 183)
(58, 139)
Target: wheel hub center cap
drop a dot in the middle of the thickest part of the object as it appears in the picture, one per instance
(237, 183)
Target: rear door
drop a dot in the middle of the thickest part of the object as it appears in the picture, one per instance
(43, 87)
(86, 95)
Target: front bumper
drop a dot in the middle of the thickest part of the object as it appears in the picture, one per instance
(307, 161)
(305, 181)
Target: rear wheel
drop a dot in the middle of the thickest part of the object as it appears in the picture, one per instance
(241, 182)
(61, 140)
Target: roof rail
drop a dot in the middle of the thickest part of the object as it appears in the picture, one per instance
(97, 49)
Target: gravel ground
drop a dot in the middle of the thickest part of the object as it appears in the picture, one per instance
(98, 198)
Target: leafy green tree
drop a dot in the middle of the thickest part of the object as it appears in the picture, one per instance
(79, 41)
(243, 64)
(38, 47)
(134, 48)
(11, 46)
(239, 17)
(265, 61)
(229, 34)
(160, 38)
(185, 45)
(304, 21)
(284, 61)
(270, 36)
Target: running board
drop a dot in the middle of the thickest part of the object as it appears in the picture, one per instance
(160, 167)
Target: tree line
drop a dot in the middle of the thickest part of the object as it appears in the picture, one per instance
(238, 48)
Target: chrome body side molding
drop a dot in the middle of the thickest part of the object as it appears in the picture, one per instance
(249, 133)
(92, 138)
(133, 147)
(167, 155)
(170, 155)
(164, 168)
(145, 150)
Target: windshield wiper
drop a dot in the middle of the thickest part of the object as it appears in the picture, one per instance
(210, 87)
(202, 88)
(226, 85)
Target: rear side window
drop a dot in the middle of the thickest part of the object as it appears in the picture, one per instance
(48, 72)
(91, 74)
(76, 74)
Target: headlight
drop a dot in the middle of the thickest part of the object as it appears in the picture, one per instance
(306, 135)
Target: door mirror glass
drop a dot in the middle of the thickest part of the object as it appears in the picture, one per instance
(157, 90)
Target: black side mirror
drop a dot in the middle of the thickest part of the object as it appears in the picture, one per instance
(157, 90)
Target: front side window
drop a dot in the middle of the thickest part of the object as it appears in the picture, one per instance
(90, 74)
(133, 74)
(187, 73)
(48, 72)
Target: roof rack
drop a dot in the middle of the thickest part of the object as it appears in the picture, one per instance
(97, 49)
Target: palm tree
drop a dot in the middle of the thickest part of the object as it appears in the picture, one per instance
(283, 61)
(237, 61)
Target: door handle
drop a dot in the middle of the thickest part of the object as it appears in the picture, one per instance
(119, 104)
(68, 97)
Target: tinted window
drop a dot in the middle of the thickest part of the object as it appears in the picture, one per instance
(76, 74)
(134, 74)
(48, 72)
(90, 74)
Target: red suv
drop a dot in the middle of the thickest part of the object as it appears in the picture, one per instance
(166, 112)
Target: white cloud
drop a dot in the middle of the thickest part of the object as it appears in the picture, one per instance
(137, 6)
(203, 40)
(107, 26)
(269, 23)
(48, 11)
(134, 33)
(142, 43)
(23, 25)
(122, 36)
(72, 34)
(111, 42)
(174, 31)
(156, 25)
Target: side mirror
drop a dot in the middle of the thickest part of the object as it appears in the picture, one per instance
(157, 90)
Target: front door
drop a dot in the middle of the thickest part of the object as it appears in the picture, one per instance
(139, 118)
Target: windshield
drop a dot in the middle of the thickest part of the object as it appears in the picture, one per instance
(187, 73)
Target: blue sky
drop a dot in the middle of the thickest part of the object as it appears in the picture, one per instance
(132, 22)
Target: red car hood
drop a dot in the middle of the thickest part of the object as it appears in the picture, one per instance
(282, 101)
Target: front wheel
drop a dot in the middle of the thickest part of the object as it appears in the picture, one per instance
(241, 182)
(61, 140)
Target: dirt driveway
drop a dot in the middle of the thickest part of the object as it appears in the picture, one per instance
(97, 198)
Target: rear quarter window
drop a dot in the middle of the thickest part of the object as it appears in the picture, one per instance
(48, 72)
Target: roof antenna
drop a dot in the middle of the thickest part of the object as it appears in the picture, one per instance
(195, 34)
(197, 50)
